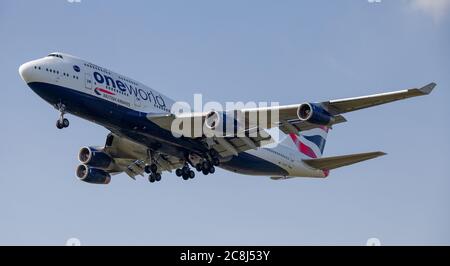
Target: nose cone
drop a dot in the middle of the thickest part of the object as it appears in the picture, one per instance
(25, 71)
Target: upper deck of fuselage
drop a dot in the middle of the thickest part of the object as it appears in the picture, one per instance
(75, 73)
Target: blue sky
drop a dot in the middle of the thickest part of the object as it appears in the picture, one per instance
(285, 51)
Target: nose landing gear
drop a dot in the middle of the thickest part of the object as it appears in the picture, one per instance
(62, 122)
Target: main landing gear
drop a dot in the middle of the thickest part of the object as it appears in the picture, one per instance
(185, 172)
(208, 166)
(152, 178)
(62, 122)
(152, 170)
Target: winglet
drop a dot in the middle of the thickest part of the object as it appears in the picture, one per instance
(428, 88)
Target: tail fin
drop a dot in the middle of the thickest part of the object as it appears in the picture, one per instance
(310, 143)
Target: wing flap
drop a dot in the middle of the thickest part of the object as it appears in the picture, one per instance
(296, 126)
(330, 163)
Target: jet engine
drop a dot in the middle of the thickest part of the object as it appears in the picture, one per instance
(95, 158)
(92, 175)
(222, 122)
(212, 120)
(315, 114)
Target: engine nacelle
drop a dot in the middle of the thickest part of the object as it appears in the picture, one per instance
(222, 122)
(92, 157)
(92, 175)
(212, 120)
(314, 113)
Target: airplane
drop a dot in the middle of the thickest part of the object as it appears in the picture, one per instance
(141, 140)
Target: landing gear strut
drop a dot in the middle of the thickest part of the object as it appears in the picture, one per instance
(62, 122)
(152, 168)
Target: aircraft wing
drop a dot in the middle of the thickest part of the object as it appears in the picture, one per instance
(233, 145)
(289, 121)
(341, 106)
(251, 137)
(286, 118)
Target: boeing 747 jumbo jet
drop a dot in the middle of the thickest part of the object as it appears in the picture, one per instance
(141, 124)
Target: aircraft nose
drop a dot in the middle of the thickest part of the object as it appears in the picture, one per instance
(25, 71)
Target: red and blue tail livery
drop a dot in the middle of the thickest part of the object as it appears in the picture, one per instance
(311, 143)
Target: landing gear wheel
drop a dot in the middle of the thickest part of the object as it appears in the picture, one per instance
(191, 174)
(186, 170)
(152, 179)
(198, 167)
(185, 176)
(212, 170)
(147, 169)
(179, 172)
(65, 122)
(158, 177)
(59, 125)
(205, 171)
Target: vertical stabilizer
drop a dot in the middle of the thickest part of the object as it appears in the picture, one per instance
(310, 143)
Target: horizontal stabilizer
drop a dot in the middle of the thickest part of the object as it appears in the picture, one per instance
(329, 163)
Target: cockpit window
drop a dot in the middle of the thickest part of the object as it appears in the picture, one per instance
(56, 55)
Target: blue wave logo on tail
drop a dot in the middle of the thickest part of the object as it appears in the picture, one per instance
(311, 142)
(318, 140)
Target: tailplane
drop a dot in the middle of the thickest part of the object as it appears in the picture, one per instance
(330, 163)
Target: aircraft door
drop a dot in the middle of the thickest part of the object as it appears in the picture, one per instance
(88, 81)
